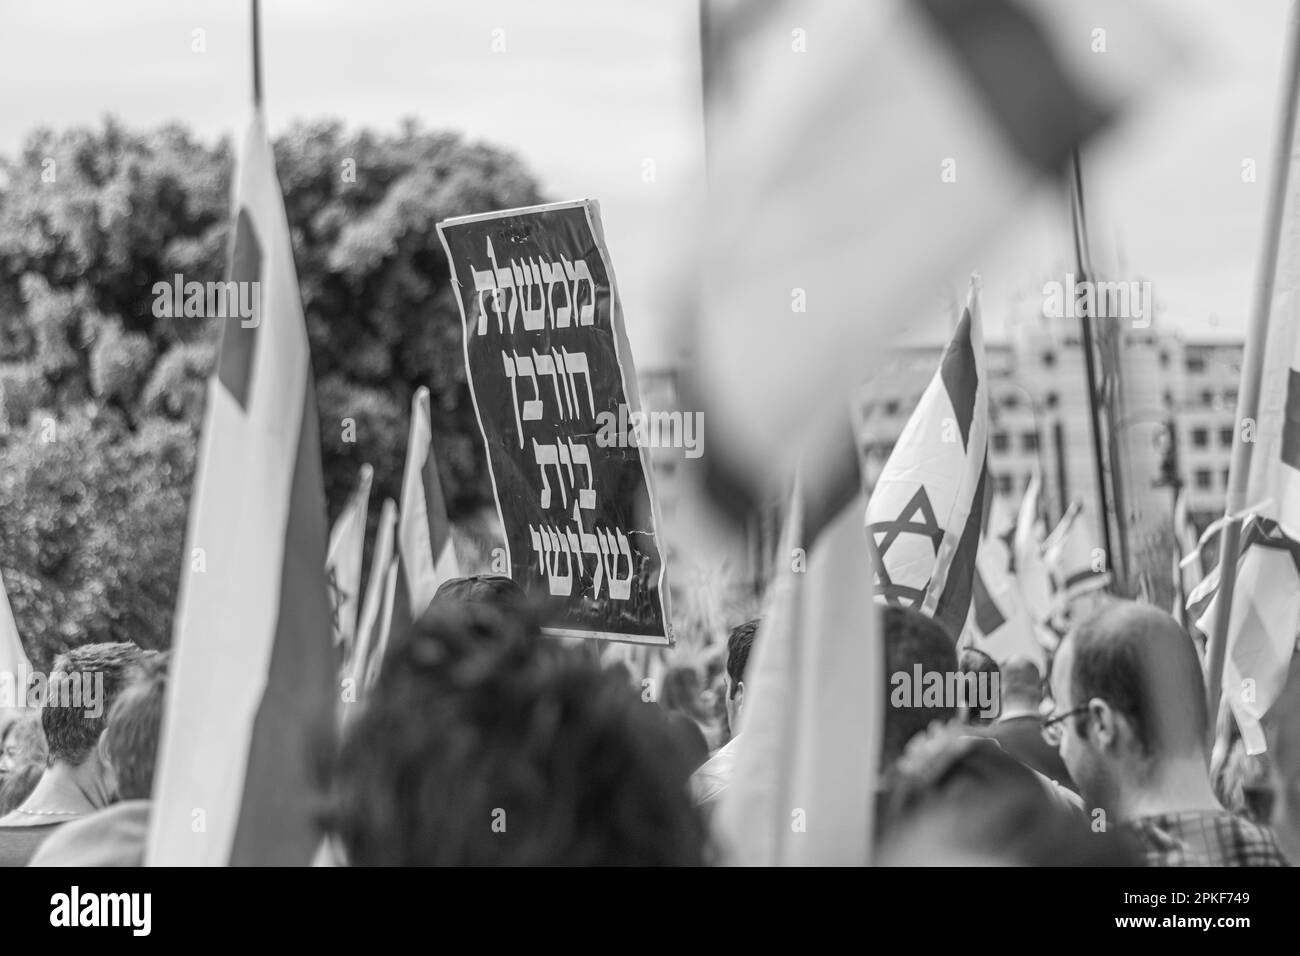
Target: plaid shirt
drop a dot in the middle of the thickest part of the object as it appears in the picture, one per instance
(1214, 838)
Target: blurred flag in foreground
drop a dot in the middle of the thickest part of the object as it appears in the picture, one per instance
(925, 511)
(424, 534)
(1266, 600)
(14, 666)
(804, 787)
(810, 254)
(252, 696)
(343, 561)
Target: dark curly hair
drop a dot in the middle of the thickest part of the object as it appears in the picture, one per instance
(485, 743)
(70, 729)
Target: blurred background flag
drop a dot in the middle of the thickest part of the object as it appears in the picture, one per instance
(343, 561)
(925, 511)
(804, 787)
(376, 609)
(424, 534)
(1027, 546)
(999, 624)
(253, 687)
(1075, 563)
(1263, 626)
(14, 666)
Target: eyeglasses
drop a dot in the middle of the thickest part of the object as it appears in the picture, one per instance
(1053, 727)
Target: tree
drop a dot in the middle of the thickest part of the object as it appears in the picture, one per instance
(101, 400)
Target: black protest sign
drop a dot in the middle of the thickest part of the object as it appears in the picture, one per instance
(548, 364)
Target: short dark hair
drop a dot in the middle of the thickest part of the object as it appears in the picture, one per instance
(739, 643)
(481, 588)
(1140, 661)
(972, 660)
(486, 744)
(913, 638)
(134, 728)
(69, 731)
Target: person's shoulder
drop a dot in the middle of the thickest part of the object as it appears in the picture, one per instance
(713, 776)
(19, 843)
(113, 836)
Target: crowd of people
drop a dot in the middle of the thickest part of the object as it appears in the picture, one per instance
(484, 742)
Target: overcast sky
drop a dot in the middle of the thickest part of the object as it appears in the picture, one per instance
(587, 91)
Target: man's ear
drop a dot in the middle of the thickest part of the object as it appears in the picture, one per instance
(1103, 724)
(740, 693)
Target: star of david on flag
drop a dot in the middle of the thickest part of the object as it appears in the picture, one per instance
(923, 518)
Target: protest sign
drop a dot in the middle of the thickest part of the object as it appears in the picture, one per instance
(550, 369)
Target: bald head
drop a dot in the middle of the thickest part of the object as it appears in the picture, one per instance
(1140, 661)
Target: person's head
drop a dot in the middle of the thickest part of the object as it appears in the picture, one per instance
(954, 800)
(911, 639)
(739, 643)
(1130, 681)
(495, 589)
(1022, 686)
(80, 692)
(23, 743)
(486, 743)
(681, 692)
(129, 745)
(988, 676)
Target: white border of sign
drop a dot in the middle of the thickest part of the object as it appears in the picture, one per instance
(631, 390)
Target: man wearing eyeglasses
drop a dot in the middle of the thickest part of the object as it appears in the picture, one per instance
(1130, 722)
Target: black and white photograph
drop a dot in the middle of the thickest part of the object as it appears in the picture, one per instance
(675, 434)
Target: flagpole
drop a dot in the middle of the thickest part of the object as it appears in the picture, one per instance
(1084, 266)
(257, 54)
(1252, 364)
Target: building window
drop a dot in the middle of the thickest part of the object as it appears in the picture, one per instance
(891, 408)
(1169, 399)
(1049, 358)
(1010, 400)
(1225, 477)
(1196, 363)
(1000, 441)
(1029, 441)
(1004, 484)
(1053, 399)
(1204, 479)
(1164, 359)
(1230, 396)
(1207, 397)
(1225, 437)
(1200, 437)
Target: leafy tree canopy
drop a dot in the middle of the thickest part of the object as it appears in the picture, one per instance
(101, 401)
